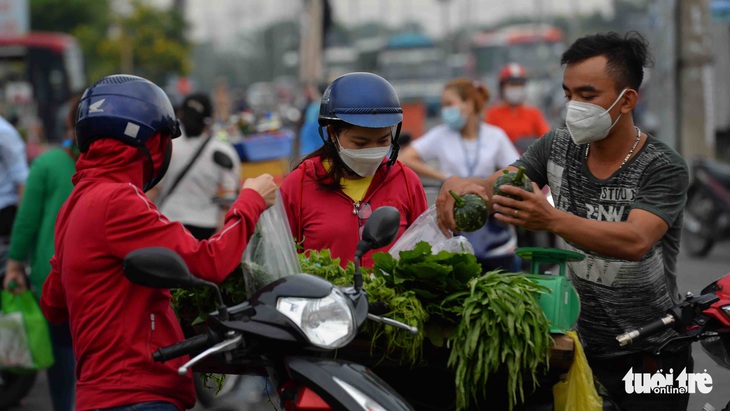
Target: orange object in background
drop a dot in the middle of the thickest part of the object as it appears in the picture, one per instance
(278, 168)
(414, 119)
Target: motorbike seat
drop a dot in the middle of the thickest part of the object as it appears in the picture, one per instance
(719, 171)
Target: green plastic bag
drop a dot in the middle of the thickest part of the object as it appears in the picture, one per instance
(36, 330)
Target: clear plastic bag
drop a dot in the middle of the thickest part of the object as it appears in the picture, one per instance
(14, 346)
(27, 338)
(271, 253)
(426, 228)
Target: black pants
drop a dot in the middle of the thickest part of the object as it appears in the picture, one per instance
(7, 216)
(610, 373)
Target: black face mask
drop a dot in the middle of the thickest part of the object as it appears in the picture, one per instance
(157, 176)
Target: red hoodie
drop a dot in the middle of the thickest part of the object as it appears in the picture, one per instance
(325, 219)
(117, 325)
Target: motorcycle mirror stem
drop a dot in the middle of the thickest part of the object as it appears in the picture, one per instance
(379, 231)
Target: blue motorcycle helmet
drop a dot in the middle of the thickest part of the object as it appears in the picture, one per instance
(130, 109)
(365, 100)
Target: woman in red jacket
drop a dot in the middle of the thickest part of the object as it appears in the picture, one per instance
(124, 128)
(333, 191)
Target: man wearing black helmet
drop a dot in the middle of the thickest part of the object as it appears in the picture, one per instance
(333, 191)
(204, 175)
(125, 126)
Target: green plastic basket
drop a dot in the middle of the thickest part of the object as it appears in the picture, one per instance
(561, 305)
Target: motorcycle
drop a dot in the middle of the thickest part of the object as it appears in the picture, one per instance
(287, 331)
(707, 214)
(704, 318)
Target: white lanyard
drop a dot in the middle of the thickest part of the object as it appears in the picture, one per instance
(471, 165)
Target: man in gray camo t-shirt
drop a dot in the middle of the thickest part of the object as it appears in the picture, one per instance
(619, 197)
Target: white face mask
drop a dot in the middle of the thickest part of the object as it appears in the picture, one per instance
(364, 161)
(588, 122)
(515, 95)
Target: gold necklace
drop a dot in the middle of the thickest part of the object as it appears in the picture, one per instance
(628, 156)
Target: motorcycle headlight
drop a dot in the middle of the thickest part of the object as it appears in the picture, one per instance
(726, 309)
(327, 322)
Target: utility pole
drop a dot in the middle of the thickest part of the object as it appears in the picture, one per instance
(310, 48)
(694, 78)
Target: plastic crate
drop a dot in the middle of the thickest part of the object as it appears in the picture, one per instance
(265, 146)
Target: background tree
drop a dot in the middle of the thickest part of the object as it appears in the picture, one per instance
(148, 41)
(87, 20)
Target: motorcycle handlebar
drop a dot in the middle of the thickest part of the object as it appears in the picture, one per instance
(646, 330)
(189, 346)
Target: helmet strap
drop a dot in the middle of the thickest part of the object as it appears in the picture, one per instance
(396, 146)
(156, 174)
(148, 183)
(325, 140)
(321, 135)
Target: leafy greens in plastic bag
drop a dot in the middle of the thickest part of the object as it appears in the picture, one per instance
(271, 252)
(426, 228)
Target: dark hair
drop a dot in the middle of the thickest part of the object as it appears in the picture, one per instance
(328, 152)
(626, 56)
(470, 90)
(195, 111)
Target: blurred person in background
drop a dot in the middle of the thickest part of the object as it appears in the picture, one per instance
(309, 139)
(204, 173)
(332, 192)
(465, 146)
(522, 123)
(13, 173)
(47, 188)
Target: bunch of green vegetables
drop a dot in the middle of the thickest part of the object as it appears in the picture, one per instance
(430, 277)
(501, 325)
(486, 321)
(491, 320)
(393, 343)
(194, 304)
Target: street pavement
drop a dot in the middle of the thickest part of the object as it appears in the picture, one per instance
(693, 275)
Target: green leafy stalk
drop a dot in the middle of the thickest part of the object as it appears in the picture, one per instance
(459, 200)
(501, 325)
(520, 176)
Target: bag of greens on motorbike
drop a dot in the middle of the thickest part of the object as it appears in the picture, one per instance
(271, 252)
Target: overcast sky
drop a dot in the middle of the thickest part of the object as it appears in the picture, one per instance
(220, 20)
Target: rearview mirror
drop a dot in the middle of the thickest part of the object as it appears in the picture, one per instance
(382, 227)
(158, 267)
(379, 231)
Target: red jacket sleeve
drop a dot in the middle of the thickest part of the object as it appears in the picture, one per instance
(133, 222)
(53, 301)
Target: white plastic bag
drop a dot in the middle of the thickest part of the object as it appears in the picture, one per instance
(14, 347)
(271, 253)
(426, 228)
